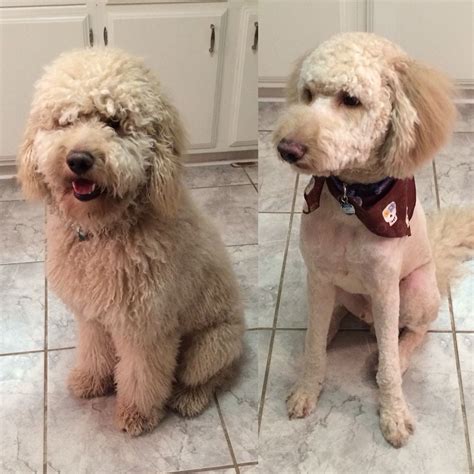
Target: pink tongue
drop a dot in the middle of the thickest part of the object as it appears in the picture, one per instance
(83, 186)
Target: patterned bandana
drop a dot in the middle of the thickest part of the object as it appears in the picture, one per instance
(385, 207)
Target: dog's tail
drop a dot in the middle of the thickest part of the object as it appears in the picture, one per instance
(452, 241)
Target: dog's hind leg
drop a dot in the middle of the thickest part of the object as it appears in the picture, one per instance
(93, 375)
(207, 352)
(206, 362)
(419, 305)
(337, 316)
(190, 401)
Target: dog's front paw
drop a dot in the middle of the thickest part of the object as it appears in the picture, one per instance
(84, 384)
(301, 402)
(396, 426)
(134, 422)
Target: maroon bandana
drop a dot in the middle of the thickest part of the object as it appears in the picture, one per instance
(385, 208)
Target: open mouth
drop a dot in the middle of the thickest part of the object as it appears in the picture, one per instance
(85, 190)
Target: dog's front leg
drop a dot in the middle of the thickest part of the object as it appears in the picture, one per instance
(144, 376)
(93, 375)
(305, 392)
(395, 420)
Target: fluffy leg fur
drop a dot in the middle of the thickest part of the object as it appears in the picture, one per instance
(209, 351)
(144, 378)
(93, 375)
(191, 401)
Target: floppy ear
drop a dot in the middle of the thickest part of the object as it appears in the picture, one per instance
(422, 120)
(27, 174)
(164, 187)
(292, 95)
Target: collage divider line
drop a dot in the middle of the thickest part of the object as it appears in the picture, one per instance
(455, 344)
(45, 380)
(226, 433)
(277, 308)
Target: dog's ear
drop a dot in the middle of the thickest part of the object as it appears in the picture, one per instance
(422, 119)
(292, 94)
(165, 169)
(27, 173)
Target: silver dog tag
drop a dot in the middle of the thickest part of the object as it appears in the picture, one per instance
(347, 208)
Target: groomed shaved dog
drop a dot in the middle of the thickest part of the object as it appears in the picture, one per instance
(147, 277)
(362, 117)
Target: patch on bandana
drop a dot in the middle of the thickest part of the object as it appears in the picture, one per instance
(390, 213)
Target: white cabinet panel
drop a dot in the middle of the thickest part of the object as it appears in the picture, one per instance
(289, 29)
(29, 39)
(175, 42)
(243, 129)
(439, 32)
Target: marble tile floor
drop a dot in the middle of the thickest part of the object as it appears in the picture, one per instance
(343, 434)
(43, 428)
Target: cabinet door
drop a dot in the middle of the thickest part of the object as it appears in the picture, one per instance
(243, 127)
(438, 32)
(177, 42)
(29, 39)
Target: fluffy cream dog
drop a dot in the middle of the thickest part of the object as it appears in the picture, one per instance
(148, 279)
(362, 112)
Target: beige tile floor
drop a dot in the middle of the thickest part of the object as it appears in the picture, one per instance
(343, 434)
(43, 428)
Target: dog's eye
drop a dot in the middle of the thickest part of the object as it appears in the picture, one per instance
(113, 122)
(349, 100)
(307, 95)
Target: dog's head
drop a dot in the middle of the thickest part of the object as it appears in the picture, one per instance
(359, 107)
(101, 138)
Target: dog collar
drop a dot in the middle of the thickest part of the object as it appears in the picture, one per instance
(384, 207)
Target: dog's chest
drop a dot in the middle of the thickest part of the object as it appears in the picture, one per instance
(339, 248)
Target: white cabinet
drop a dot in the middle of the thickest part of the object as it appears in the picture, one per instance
(435, 31)
(215, 91)
(244, 93)
(184, 45)
(29, 39)
(439, 32)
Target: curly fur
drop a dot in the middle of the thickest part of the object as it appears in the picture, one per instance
(152, 287)
(405, 115)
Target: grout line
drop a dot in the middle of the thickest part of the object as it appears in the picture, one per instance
(277, 308)
(241, 245)
(45, 385)
(250, 179)
(39, 351)
(222, 185)
(13, 200)
(460, 382)
(204, 469)
(435, 179)
(55, 349)
(36, 351)
(227, 437)
(281, 212)
(20, 263)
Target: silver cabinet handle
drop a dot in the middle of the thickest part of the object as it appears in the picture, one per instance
(255, 37)
(106, 36)
(213, 38)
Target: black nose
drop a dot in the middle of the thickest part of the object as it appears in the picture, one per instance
(80, 161)
(291, 151)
